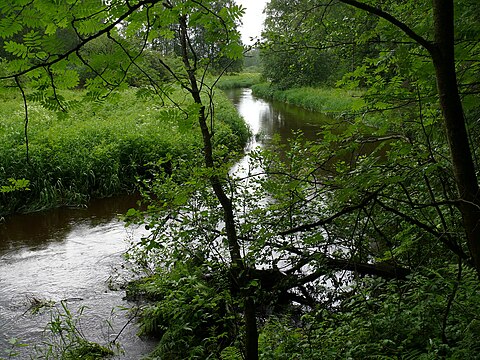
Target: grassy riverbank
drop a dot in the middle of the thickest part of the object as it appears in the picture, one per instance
(326, 100)
(98, 149)
(239, 80)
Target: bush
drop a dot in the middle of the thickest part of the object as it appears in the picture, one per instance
(191, 314)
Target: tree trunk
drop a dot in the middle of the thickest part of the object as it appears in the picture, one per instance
(238, 271)
(442, 52)
(463, 166)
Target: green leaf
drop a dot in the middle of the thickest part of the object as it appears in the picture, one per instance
(16, 49)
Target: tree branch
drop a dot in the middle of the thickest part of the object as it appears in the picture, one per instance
(83, 41)
(393, 20)
(330, 219)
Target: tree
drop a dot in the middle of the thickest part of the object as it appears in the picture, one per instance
(441, 51)
(406, 62)
(49, 64)
(310, 44)
(324, 207)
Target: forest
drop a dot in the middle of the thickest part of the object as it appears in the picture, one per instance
(363, 243)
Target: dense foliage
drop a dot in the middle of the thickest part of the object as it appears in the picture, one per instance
(312, 43)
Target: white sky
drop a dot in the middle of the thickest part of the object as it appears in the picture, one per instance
(252, 20)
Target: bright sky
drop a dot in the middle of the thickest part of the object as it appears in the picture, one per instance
(253, 19)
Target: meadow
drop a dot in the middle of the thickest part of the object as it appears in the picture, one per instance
(98, 149)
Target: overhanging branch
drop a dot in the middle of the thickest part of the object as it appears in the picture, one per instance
(84, 41)
(393, 20)
(346, 210)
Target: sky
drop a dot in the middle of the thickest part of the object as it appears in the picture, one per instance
(252, 20)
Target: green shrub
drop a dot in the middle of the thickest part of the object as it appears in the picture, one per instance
(190, 313)
(386, 320)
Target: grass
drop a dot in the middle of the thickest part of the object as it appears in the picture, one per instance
(239, 80)
(99, 149)
(325, 100)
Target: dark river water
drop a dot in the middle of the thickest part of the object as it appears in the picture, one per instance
(75, 255)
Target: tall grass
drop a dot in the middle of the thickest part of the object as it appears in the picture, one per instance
(326, 100)
(99, 149)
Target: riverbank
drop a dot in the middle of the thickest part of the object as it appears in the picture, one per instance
(241, 80)
(98, 149)
(331, 101)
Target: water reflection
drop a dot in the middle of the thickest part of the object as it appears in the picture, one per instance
(70, 253)
(269, 118)
(37, 230)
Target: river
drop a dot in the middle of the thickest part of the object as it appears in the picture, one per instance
(75, 255)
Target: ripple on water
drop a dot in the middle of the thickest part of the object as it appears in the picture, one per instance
(66, 254)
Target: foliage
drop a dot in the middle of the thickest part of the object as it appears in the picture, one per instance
(368, 198)
(191, 312)
(311, 43)
(112, 39)
(252, 61)
(356, 241)
(385, 320)
(298, 68)
(15, 185)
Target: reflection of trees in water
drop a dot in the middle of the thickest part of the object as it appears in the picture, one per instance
(276, 117)
(284, 119)
(41, 228)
